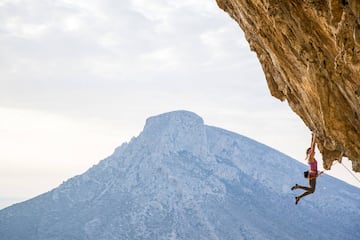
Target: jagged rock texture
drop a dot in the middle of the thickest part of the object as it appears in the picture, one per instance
(310, 53)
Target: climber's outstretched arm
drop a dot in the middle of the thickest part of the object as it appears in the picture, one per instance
(312, 151)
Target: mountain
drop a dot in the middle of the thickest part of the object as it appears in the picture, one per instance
(181, 179)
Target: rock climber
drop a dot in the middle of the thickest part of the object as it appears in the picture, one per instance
(312, 173)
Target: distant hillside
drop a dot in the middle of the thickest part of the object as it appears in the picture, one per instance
(181, 179)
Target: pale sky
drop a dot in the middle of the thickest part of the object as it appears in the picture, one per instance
(78, 78)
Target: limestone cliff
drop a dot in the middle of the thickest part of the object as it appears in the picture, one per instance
(310, 53)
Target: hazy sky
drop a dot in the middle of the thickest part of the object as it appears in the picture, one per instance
(78, 78)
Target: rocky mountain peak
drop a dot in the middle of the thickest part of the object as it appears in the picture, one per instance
(176, 131)
(171, 121)
(161, 185)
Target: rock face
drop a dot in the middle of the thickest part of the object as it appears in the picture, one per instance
(310, 53)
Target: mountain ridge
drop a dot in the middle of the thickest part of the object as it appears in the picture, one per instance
(182, 179)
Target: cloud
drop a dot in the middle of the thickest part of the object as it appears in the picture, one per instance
(72, 56)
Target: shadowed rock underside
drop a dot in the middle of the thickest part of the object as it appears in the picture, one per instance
(310, 53)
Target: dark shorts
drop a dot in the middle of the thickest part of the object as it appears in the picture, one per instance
(312, 182)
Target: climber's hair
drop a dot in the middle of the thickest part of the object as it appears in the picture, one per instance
(307, 152)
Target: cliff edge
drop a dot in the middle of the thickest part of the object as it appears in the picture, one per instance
(310, 53)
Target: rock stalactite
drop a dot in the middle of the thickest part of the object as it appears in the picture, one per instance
(310, 53)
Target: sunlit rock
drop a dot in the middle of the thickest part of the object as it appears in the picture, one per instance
(310, 53)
